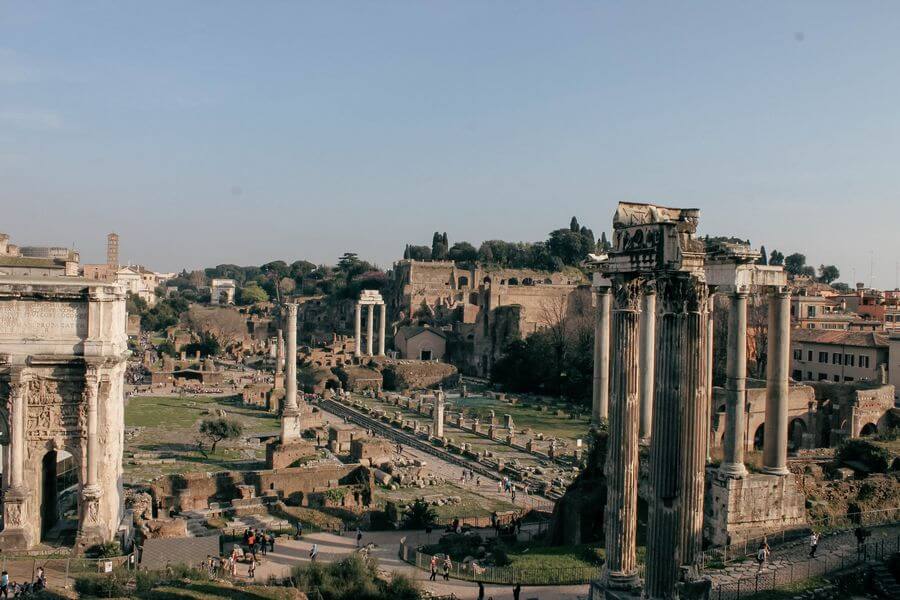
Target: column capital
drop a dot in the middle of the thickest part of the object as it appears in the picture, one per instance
(780, 291)
(683, 293)
(741, 293)
(628, 292)
(291, 308)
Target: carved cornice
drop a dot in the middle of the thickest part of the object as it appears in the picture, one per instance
(680, 295)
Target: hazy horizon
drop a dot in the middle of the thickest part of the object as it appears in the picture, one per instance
(222, 132)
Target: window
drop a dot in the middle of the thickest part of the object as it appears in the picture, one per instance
(848, 379)
(823, 376)
(425, 355)
(798, 354)
(863, 361)
(810, 311)
(809, 355)
(797, 375)
(823, 357)
(837, 378)
(809, 375)
(836, 358)
(850, 360)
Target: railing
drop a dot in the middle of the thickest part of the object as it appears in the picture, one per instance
(59, 571)
(748, 546)
(500, 575)
(814, 567)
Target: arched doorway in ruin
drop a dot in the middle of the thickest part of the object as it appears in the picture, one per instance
(759, 437)
(796, 429)
(868, 429)
(58, 497)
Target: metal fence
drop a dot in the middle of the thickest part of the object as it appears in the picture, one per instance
(770, 579)
(747, 546)
(60, 572)
(500, 575)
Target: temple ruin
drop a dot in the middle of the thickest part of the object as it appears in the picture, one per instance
(653, 381)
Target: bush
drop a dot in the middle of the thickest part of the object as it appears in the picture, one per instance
(352, 578)
(107, 550)
(501, 557)
(111, 585)
(863, 453)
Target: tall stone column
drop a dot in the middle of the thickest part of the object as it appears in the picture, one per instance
(382, 319)
(621, 468)
(438, 414)
(370, 330)
(290, 415)
(358, 330)
(710, 335)
(600, 404)
(18, 529)
(736, 387)
(680, 432)
(777, 389)
(648, 355)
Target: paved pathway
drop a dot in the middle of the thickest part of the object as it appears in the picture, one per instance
(332, 547)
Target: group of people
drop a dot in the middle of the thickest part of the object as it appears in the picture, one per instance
(258, 542)
(218, 567)
(19, 590)
(469, 475)
(446, 565)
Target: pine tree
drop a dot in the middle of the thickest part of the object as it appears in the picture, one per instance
(445, 241)
(573, 225)
(763, 257)
(406, 252)
(604, 244)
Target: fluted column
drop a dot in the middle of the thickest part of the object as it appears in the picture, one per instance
(735, 387)
(89, 526)
(600, 404)
(710, 331)
(370, 330)
(438, 414)
(621, 468)
(648, 354)
(358, 330)
(680, 432)
(17, 441)
(777, 389)
(382, 319)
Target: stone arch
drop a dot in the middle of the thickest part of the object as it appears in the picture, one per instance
(462, 282)
(868, 429)
(759, 437)
(528, 281)
(513, 281)
(548, 281)
(486, 281)
(60, 474)
(796, 430)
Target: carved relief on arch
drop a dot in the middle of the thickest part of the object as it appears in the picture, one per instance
(55, 409)
(682, 294)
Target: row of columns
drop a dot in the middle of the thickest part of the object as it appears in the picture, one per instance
(370, 326)
(653, 381)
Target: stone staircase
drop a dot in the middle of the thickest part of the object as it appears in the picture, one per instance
(883, 582)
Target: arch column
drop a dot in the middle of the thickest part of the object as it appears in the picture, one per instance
(648, 356)
(777, 388)
(18, 526)
(89, 530)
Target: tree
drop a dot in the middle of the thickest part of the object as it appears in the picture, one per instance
(795, 263)
(419, 515)
(462, 251)
(438, 248)
(217, 430)
(287, 285)
(278, 268)
(419, 252)
(604, 245)
(828, 273)
(569, 246)
(406, 253)
(251, 294)
(573, 225)
(347, 261)
(485, 254)
(763, 257)
(776, 258)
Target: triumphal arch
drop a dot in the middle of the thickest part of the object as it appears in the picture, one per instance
(63, 349)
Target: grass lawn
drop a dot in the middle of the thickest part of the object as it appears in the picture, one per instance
(524, 415)
(168, 427)
(534, 556)
(211, 590)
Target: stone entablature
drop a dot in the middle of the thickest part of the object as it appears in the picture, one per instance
(63, 349)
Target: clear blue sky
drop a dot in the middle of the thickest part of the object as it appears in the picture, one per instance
(212, 132)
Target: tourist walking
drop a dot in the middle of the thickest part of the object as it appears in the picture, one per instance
(447, 566)
(433, 568)
(251, 572)
(314, 552)
(4, 584)
(480, 591)
(358, 537)
(516, 591)
(762, 555)
(813, 544)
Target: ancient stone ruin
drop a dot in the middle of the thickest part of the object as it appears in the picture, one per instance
(63, 349)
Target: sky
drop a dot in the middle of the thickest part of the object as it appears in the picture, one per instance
(208, 132)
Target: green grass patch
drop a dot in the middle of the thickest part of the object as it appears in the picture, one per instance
(789, 591)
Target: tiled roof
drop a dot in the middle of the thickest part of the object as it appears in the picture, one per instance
(158, 553)
(411, 331)
(864, 339)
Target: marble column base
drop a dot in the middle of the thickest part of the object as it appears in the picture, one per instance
(291, 426)
(776, 470)
(621, 581)
(90, 531)
(733, 470)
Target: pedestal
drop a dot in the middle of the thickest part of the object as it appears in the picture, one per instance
(18, 530)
